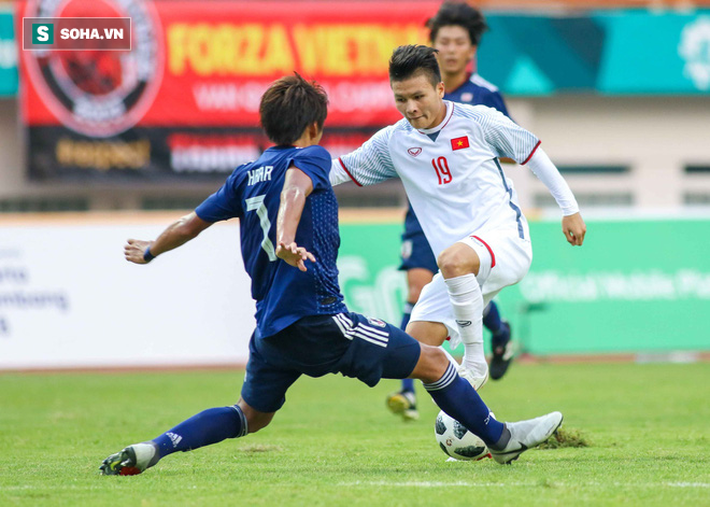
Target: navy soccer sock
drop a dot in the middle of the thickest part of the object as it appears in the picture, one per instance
(406, 315)
(407, 383)
(491, 319)
(459, 399)
(208, 427)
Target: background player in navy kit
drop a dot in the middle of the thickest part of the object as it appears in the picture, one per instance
(456, 32)
(289, 239)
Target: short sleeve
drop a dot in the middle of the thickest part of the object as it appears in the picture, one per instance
(371, 163)
(224, 203)
(315, 161)
(506, 138)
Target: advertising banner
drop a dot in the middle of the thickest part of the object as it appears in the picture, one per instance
(8, 53)
(185, 99)
(183, 102)
(68, 298)
(635, 286)
(613, 52)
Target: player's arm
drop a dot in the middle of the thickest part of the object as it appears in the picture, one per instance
(297, 186)
(371, 163)
(177, 234)
(573, 225)
(509, 139)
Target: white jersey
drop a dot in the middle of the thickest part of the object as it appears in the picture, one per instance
(451, 173)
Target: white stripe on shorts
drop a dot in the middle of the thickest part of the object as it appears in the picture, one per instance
(371, 340)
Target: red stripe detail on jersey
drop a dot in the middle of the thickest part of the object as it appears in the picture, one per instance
(348, 172)
(453, 106)
(493, 257)
(532, 153)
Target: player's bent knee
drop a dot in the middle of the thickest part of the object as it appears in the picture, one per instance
(431, 333)
(432, 364)
(458, 260)
(256, 420)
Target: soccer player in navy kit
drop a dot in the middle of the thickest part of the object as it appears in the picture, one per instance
(456, 32)
(289, 239)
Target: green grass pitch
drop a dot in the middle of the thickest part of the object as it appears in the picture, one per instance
(334, 443)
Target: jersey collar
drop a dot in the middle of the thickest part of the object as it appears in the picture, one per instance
(449, 113)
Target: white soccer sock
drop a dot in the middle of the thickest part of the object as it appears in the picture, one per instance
(467, 302)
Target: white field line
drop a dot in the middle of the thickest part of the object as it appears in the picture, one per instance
(434, 484)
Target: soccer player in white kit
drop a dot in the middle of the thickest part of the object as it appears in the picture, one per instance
(446, 155)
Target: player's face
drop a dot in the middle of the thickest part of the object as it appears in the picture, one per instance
(455, 49)
(420, 102)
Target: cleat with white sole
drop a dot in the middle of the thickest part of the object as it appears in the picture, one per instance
(525, 435)
(132, 460)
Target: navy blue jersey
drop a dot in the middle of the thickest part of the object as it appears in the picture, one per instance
(474, 91)
(283, 293)
(477, 91)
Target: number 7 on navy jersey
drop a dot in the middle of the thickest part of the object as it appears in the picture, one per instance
(441, 166)
(257, 204)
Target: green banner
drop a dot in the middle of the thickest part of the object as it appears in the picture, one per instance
(610, 52)
(635, 286)
(8, 54)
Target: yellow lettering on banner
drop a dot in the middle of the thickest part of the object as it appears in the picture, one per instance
(224, 50)
(200, 49)
(351, 49)
(249, 43)
(310, 46)
(257, 49)
(177, 33)
(103, 155)
(278, 55)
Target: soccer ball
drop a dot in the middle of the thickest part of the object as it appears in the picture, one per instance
(456, 441)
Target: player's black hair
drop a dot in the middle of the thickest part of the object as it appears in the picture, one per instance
(458, 14)
(409, 60)
(289, 106)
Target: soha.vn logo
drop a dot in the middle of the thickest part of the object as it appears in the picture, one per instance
(99, 93)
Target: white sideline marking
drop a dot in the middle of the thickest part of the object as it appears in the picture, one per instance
(428, 484)
(433, 484)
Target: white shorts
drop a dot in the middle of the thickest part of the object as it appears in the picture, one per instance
(505, 260)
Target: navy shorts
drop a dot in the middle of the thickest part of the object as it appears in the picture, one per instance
(416, 252)
(347, 343)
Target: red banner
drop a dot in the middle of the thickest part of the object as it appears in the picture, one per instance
(201, 63)
(185, 99)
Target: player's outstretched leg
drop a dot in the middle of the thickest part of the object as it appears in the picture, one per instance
(208, 427)
(501, 344)
(456, 397)
(404, 401)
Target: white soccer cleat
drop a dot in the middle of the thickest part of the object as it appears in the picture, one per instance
(132, 460)
(472, 377)
(525, 435)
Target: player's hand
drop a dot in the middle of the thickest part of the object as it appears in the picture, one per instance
(294, 255)
(574, 229)
(134, 250)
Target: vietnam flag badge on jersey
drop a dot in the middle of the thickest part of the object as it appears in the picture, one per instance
(459, 143)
